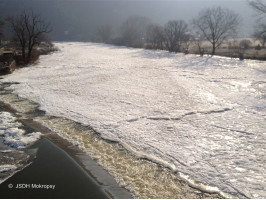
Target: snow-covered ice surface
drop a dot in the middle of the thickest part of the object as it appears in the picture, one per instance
(201, 116)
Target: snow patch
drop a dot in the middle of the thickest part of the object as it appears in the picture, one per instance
(4, 168)
(19, 140)
(12, 134)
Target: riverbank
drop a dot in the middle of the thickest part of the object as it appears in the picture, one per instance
(11, 59)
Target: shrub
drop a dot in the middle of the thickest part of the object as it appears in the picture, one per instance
(245, 44)
(258, 47)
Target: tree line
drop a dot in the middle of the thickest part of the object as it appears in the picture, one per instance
(214, 25)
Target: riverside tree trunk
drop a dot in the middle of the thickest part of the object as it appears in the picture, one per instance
(213, 48)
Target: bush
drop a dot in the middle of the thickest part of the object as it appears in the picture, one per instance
(258, 47)
(245, 44)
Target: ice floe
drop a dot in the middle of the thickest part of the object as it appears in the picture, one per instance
(12, 134)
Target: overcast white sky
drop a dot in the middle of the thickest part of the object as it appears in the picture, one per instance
(164, 10)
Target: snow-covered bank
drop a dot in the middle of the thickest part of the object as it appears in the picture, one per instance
(202, 116)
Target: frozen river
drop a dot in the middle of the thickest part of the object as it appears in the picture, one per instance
(202, 117)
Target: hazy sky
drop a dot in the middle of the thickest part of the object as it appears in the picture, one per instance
(82, 16)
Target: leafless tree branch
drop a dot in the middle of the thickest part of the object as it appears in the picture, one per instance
(175, 34)
(259, 6)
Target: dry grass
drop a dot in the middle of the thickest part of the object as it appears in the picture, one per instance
(250, 53)
(231, 48)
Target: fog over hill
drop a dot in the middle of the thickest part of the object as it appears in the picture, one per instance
(76, 19)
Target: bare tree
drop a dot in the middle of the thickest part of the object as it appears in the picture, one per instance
(1, 29)
(134, 31)
(104, 33)
(260, 29)
(175, 33)
(259, 6)
(198, 40)
(28, 30)
(260, 34)
(186, 42)
(19, 29)
(155, 36)
(216, 24)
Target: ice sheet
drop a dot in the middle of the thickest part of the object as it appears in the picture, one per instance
(201, 116)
